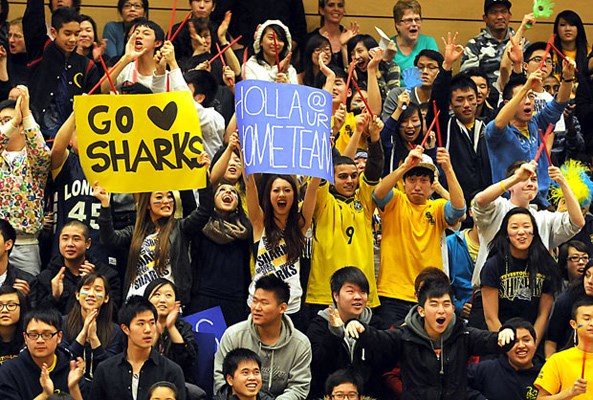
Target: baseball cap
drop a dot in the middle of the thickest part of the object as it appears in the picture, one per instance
(491, 3)
(427, 163)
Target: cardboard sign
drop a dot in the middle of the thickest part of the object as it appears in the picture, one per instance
(208, 321)
(284, 129)
(140, 143)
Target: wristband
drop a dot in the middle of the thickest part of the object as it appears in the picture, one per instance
(501, 183)
(567, 80)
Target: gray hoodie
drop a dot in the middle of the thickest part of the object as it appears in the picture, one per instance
(286, 371)
(416, 323)
(365, 317)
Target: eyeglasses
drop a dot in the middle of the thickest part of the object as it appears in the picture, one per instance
(342, 396)
(127, 6)
(410, 21)
(579, 258)
(539, 59)
(326, 49)
(43, 335)
(9, 306)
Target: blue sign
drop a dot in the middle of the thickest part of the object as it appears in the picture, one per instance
(208, 321)
(284, 129)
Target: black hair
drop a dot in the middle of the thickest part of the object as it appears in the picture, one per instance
(343, 160)
(343, 376)
(63, 15)
(351, 275)
(80, 225)
(84, 17)
(582, 302)
(367, 40)
(420, 171)
(156, 285)
(74, 319)
(271, 283)
(121, 3)
(433, 288)
(75, 5)
(135, 88)
(280, 35)
(165, 384)
(573, 19)
(532, 48)
(49, 315)
(462, 82)
(235, 357)
(516, 80)
(314, 42)
(539, 259)
(134, 306)
(4, 8)
(159, 34)
(477, 71)
(520, 323)
(429, 274)
(18, 339)
(8, 232)
(432, 54)
(203, 83)
(7, 104)
(510, 171)
(563, 254)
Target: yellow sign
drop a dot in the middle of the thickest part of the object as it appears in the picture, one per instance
(140, 142)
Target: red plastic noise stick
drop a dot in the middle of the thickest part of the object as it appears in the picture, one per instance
(561, 55)
(98, 85)
(434, 121)
(547, 52)
(107, 73)
(542, 147)
(173, 10)
(439, 138)
(350, 71)
(187, 17)
(245, 53)
(225, 48)
(276, 50)
(362, 97)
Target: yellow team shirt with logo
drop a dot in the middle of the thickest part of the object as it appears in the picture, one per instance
(411, 241)
(346, 133)
(343, 236)
(561, 371)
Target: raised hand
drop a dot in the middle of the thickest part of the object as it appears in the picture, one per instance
(453, 51)
(376, 54)
(101, 194)
(348, 34)
(131, 51)
(354, 329)
(86, 268)
(335, 319)
(45, 381)
(76, 372)
(57, 284)
(505, 337)
(172, 317)
(223, 28)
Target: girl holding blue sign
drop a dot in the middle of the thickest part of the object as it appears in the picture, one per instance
(279, 230)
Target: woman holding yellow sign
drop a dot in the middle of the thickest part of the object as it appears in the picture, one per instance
(158, 242)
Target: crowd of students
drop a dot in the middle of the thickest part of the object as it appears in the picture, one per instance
(444, 263)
